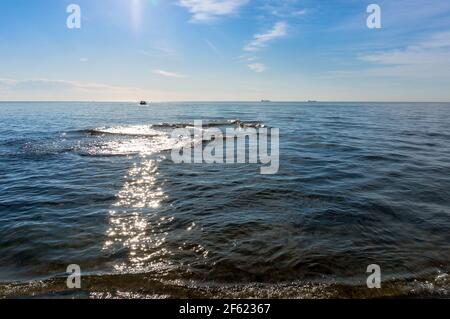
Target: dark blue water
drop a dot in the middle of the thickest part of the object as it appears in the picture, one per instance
(359, 184)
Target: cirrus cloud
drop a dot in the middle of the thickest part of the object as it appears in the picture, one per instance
(257, 67)
(207, 10)
(43, 89)
(168, 74)
(261, 40)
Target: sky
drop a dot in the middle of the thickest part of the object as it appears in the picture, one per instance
(225, 50)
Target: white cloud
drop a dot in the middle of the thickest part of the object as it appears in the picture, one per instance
(160, 51)
(7, 82)
(257, 67)
(427, 59)
(403, 15)
(207, 10)
(42, 89)
(284, 8)
(49, 84)
(436, 41)
(433, 51)
(260, 41)
(168, 74)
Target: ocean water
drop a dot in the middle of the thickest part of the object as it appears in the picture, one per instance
(93, 184)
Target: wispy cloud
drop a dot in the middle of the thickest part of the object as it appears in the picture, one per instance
(7, 82)
(56, 89)
(48, 84)
(284, 8)
(428, 58)
(249, 59)
(260, 41)
(207, 10)
(257, 67)
(168, 74)
(160, 51)
(433, 50)
(399, 15)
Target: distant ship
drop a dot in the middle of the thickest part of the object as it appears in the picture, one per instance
(312, 101)
(143, 103)
(265, 101)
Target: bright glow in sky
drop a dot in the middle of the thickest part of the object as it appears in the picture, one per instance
(208, 50)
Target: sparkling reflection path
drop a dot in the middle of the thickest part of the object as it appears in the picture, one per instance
(134, 225)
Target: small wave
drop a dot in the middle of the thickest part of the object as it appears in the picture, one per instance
(189, 125)
(134, 130)
(161, 128)
(126, 286)
(122, 140)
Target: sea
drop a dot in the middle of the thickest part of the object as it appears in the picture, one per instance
(93, 186)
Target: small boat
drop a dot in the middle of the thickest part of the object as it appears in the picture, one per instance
(265, 101)
(312, 101)
(143, 103)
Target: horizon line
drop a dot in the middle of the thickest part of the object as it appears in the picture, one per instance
(221, 101)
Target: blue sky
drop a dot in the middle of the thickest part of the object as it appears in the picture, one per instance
(209, 50)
